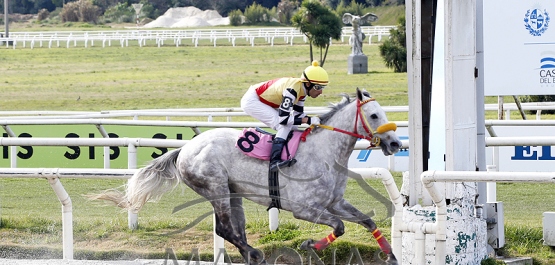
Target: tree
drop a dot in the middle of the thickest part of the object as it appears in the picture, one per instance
(285, 11)
(225, 6)
(319, 25)
(394, 50)
(267, 3)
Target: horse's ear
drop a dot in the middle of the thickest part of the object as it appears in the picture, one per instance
(359, 94)
(362, 94)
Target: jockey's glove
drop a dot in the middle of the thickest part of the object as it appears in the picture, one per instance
(313, 120)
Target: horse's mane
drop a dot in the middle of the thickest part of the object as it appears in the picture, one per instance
(334, 108)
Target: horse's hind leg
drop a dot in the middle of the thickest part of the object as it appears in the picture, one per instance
(231, 230)
(320, 215)
(348, 212)
(238, 213)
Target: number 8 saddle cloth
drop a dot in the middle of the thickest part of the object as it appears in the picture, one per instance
(257, 143)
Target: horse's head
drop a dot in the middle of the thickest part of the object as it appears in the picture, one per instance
(373, 120)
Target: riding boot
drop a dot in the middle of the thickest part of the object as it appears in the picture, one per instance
(275, 155)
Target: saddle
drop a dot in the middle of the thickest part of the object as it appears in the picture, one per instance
(257, 143)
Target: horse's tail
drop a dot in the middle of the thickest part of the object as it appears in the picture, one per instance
(148, 184)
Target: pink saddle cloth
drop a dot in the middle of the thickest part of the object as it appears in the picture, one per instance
(259, 145)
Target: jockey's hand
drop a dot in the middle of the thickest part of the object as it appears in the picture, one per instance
(314, 121)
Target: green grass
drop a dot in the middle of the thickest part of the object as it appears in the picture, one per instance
(189, 77)
(387, 15)
(176, 77)
(31, 218)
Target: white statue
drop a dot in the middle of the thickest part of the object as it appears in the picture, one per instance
(358, 37)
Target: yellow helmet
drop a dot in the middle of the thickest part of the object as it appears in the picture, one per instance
(315, 74)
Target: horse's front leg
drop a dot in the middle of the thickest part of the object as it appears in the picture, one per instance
(346, 211)
(320, 215)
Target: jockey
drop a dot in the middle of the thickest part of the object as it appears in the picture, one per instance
(279, 103)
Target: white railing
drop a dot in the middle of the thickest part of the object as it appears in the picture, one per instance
(175, 36)
(132, 143)
(229, 113)
(53, 175)
(439, 227)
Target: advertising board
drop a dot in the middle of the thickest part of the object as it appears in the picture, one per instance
(519, 47)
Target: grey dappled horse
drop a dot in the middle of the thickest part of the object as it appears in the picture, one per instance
(312, 189)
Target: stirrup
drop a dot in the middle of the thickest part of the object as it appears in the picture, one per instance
(284, 163)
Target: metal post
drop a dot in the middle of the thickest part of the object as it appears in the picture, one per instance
(67, 216)
(6, 20)
(132, 217)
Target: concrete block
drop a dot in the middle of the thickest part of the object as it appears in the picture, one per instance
(496, 227)
(357, 64)
(517, 261)
(549, 228)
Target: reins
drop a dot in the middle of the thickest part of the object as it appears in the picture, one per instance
(374, 140)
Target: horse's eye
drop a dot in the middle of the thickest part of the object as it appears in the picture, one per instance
(374, 116)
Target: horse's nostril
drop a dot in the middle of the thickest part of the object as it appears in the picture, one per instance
(395, 144)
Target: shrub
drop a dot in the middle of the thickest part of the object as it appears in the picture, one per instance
(55, 13)
(286, 9)
(394, 50)
(81, 10)
(149, 11)
(235, 17)
(87, 11)
(256, 13)
(120, 13)
(43, 14)
(70, 12)
(354, 8)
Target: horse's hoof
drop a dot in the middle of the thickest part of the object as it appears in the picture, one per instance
(256, 257)
(307, 245)
(391, 260)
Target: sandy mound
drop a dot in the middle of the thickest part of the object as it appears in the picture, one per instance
(188, 17)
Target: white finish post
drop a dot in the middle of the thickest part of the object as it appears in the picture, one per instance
(67, 217)
(414, 66)
(461, 132)
(480, 110)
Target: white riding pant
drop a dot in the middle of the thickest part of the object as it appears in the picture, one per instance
(251, 104)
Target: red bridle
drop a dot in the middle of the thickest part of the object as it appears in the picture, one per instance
(374, 141)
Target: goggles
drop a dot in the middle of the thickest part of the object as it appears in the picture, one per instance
(318, 87)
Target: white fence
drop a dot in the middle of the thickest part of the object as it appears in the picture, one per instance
(176, 37)
(225, 112)
(53, 175)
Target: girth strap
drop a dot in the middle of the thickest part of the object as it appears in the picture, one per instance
(273, 185)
